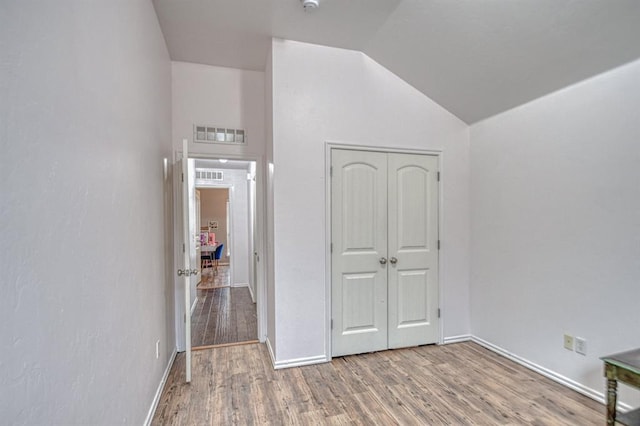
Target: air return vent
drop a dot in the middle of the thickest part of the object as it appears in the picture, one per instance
(209, 175)
(213, 134)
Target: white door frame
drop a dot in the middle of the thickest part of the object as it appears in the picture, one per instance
(329, 145)
(260, 234)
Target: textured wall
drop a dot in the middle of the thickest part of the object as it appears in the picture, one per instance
(555, 213)
(324, 94)
(85, 125)
(217, 96)
(268, 257)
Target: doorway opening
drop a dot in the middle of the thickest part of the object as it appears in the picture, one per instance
(224, 240)
(225, 308)
(225, 312)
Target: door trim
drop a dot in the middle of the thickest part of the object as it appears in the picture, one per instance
(260, 232)
(330, 145)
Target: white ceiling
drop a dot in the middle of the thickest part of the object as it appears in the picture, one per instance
(476, 58)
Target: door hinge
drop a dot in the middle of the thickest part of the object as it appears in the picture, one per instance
(183, 248)
(184, 318)
(438, 244)
(331, 171)
(182, 177)
(332, 323)
(331, 247)
(438, 176)
(438, 312)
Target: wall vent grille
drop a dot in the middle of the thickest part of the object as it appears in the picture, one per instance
(209, 175)
(214, 134)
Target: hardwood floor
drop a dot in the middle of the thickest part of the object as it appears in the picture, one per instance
(223, 315)
(458, 384)
(212, 279)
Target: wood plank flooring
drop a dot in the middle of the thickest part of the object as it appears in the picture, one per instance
(458, 384)
(214, 279)
(223, 315)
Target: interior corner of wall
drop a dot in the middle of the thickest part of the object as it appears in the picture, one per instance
(271, 350)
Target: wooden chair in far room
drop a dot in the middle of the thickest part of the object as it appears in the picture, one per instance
(206, 260)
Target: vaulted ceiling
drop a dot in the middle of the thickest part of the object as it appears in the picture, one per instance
(476, 58)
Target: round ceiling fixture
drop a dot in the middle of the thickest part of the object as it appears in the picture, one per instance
(310, 4)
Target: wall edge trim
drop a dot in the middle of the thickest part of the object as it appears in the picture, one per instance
(163, 382)
(271, 353)
(550, 374)
(299, 362)
(253, 297)
(456, 339)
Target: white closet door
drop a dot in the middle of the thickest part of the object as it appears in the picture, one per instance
(359, 236)
(413, 250)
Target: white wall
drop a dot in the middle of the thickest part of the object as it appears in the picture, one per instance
(555, 213)
(227, 97)
(269, 222)
(232, 98)
(85, 125)
(239, 196)
(325, 94)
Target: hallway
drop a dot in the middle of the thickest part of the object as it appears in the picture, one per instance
(223, 314)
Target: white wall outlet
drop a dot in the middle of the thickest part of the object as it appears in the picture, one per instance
(157, 349)
(568, 342)
(581, 345)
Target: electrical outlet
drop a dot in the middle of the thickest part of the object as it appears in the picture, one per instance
(581, 345)
(157, 349)
(568, 342)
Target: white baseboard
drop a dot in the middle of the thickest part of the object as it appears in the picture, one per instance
(253, 299)
(156, 398)
(456, 339)
(270, 349)
(299, 362)
(240, 285)
(559, 378)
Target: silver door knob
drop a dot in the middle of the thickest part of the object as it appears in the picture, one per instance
(393, 260)
(383, 260)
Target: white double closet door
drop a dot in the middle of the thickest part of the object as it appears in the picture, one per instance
(384, 261)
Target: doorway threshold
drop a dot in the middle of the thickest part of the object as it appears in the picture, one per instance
(224, 345)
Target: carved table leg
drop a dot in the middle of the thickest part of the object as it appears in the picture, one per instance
(612, 385)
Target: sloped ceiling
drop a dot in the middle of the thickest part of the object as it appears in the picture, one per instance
(476, 58)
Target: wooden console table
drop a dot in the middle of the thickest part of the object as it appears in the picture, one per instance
(623, 367)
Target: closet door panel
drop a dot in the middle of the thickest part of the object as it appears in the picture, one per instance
(413, 249)
(359, 238)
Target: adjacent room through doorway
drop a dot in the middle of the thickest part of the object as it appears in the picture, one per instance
(225, 310)
(214, 237)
